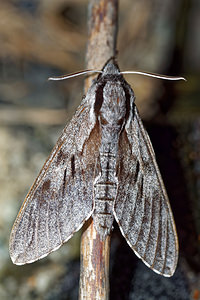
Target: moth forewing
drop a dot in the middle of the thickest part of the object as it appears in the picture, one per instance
(142, 208)
(59, 202)
(103, 166)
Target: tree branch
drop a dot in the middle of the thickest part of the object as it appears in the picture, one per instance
(94, 275)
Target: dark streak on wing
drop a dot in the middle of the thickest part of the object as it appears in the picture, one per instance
(99, 98)
(64, 178)
(137, 170)
(64, 182)
(141, 187)
(128, 98)
(73, 165)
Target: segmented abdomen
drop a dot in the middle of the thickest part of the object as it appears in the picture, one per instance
(105, 191)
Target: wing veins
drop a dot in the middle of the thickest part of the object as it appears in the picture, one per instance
(36, 233)
(150, 228)
(133, 214)
(36, 184)
(47, 225)
(165, 256)
(151, 155)
(57, 221)
(158, 234)
(139, 231)
(124, 200)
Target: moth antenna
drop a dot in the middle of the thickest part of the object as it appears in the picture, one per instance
(155, 75)
(74, 74)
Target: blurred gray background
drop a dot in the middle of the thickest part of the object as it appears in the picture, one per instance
(43, 38)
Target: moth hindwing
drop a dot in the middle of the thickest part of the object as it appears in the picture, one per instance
(103, 166)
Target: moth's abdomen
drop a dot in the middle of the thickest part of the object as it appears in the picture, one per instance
(111, 117)
(105, 191)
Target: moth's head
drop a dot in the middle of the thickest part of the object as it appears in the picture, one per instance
(110, 68)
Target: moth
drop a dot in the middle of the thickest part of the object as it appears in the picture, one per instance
(103, 166)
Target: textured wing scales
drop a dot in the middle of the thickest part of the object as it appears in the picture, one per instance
(142, 207)
(60, 200)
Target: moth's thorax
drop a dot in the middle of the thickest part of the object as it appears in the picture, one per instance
(113, 110)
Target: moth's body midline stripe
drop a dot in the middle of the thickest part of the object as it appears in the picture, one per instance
(105, 199)
(109, 170)
(105, 184)
(102, 213)
(107, 154)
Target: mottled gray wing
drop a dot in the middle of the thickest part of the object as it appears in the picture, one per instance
(142, 208)
(61, 198)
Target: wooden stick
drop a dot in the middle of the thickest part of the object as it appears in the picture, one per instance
(102, 31)
(94, 271)
(94, 274)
